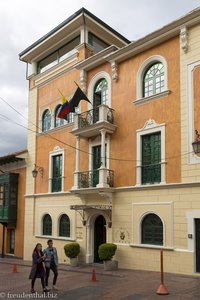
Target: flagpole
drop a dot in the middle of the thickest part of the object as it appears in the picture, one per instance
(77, 84)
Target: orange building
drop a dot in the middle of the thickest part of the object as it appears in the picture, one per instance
(121, 169)
(12, 195)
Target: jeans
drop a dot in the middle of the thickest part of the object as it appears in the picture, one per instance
(53, 267)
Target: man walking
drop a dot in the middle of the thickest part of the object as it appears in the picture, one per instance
(51, 262)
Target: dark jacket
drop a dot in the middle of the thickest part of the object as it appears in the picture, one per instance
(37, 266)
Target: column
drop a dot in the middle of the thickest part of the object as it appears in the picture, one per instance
(103, 148)
(77, 167)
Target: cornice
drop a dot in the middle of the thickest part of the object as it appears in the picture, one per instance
(161, 35)
(96, 59)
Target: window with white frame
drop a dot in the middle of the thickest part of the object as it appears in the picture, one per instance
(47, 225)
(152, 79)
(46, 120)
(58, 121)
(56, 170)
(64, 226)
(99, 89)
(152, 230)
(151, 153)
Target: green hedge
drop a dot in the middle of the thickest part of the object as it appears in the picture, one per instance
(107, 251)
(72, 250)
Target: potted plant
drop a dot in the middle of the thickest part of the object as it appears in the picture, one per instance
(72, 251)
(106, 252)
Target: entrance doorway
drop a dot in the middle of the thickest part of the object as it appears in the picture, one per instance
(197, 239)
(99, 235)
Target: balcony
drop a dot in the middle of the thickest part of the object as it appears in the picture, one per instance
(8, 214)
(8, 198)
(100, 178)
(89, 123)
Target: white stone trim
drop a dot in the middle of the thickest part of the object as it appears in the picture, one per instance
(192, 157)
(92, 83)
(41, 222)
(150, 127)
(58, 224)
(41, 113)
(56, 151)
(138, 230)
(142, 70)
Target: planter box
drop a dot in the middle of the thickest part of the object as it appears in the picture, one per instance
(74, 262)
(110, 265)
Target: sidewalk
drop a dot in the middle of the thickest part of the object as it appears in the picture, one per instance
(76, 283)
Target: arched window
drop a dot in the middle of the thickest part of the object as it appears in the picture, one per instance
(152, 230)
(46, 120)
(64, 226)
(101, 92)
(153, 80)
(58, 121)
(100, 97)
(47, 225)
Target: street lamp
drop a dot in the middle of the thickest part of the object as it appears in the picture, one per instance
(196, 143)
(36, 170)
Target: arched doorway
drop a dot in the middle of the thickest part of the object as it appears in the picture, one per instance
(99, 235)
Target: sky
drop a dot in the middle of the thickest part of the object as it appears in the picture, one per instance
(22, 22)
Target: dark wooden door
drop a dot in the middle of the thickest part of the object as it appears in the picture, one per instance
(197, 238)
(99, 235)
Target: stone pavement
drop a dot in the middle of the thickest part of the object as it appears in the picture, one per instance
(76, 283)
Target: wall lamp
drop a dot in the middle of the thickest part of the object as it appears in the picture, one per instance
(36, 170)
(196, 143)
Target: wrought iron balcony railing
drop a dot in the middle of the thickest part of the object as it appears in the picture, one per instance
(92, 116)
(90, 179)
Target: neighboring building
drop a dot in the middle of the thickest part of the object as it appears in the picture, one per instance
(122, 170)
(12, 196)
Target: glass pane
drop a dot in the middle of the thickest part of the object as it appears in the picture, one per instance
(68, 49)
(64, 229)
(152, 230)
(46, 121)
(97, 44)
(154, 76)
(151, 158)
(47, 225)
(48, 62)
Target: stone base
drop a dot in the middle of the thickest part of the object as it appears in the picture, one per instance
(74, 262)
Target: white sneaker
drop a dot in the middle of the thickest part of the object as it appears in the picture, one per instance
(54, 288)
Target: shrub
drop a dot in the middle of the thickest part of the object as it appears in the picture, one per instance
(72, 250)
(107, 251)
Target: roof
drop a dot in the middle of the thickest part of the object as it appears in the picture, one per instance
(84, 12)
(12, 157)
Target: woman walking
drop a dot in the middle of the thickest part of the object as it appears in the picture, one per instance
(37, 270)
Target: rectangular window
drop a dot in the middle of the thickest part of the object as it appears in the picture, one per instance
(56, 173)
(97, 44)
(151, 158)
(58, 56)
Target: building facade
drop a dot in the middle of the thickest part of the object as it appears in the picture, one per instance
(12, 193)
(121, 169)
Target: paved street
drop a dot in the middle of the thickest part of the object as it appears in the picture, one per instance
(76, 283)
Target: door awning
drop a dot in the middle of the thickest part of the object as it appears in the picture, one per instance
(81, 209)
(86, 207)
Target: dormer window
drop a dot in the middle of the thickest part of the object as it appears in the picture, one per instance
(59, 55)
